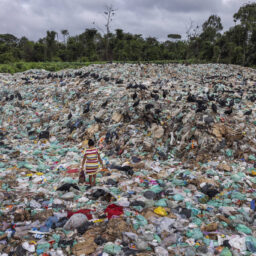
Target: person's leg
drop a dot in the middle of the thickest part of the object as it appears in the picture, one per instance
(94, 179)
(90, 180)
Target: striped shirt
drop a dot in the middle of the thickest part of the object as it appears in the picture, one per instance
(91, 160)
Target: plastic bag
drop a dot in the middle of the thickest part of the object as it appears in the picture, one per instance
(112, 249)
(160, 211)
(140, 221)
(86, 212)
(250, 242)
(75, 221)
(225, 252)
(178, 197)
(114, 210)
(160, 251)
(161, 202)
(242, 228)
(195, 233)
(156, 189)
(81, 177)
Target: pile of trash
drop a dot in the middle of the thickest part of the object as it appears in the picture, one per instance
(179, 150)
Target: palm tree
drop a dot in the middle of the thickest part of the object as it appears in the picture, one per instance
(50, 44)
(65, 33)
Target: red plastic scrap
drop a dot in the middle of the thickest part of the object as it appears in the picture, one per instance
(86, 212)
(72, 171)
(114, 210)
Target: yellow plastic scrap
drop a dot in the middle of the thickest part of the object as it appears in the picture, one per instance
(44, 141)
(254, 172)
(160, 211)
(99, 220)
(29, 174)
(39, 173)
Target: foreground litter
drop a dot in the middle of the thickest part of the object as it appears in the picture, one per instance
(179, 150)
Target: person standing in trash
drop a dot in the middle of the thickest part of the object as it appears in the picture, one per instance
(92, 158)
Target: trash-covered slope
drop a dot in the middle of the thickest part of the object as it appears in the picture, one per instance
(178, 142)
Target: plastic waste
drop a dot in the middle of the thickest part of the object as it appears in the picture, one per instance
(161, 251)
(75, 221)
(250, 242)
(160, 211)
(244, 229)
(178, 173)
(226, 252)
(112, 249)
(114, 210)
(194, 233)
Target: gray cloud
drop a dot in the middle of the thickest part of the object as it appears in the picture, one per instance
(155, 18)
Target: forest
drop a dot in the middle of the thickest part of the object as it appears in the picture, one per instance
(206, 43)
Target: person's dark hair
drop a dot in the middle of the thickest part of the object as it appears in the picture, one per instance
(90, 143)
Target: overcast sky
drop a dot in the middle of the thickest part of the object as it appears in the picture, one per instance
(156, 18)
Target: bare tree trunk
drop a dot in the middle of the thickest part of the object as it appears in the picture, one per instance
(109, 12)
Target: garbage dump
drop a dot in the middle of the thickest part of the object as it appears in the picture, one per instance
(179, 151)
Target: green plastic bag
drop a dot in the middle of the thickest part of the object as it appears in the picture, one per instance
(197, 221)
(156, 189)
(24, 165)
(139, 221)
(229, 152)
(112, 249)
(225, 252)
(43, 247)
(250, 242)
(178, 197)
(2, 165)
(142, 220)
(253, 180)
(115, 191)
(69, 180)
(235, 178)
(42, 167)
(56, 237)
(195, 233)
(242, 228)
(157, 238)
(161, 202)
(252, 158)
(238, 195)
(178, 182)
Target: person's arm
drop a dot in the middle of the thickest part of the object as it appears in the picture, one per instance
(83, 162)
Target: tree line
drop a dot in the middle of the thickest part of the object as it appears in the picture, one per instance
(203, 43)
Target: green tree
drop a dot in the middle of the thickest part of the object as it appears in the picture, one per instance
(39, 51)
(64, 33)
(26, 48)
(8, 48)
(246, 15)
(50, 44)
(88, 39)
(174, 36)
